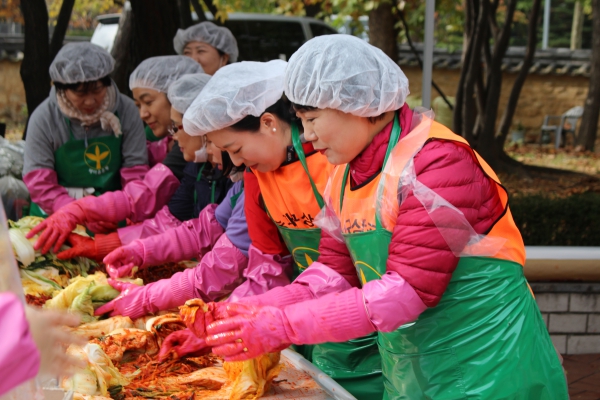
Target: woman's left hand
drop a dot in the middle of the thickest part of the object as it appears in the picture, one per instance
(247, 332)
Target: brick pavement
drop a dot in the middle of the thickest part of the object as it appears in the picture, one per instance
(583, 375)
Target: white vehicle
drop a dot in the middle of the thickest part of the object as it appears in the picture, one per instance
(260, 37)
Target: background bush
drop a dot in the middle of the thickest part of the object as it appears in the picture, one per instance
(570, 221)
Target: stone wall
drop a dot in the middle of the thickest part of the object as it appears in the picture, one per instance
(572, 315)
(541, 94)
(12, 93)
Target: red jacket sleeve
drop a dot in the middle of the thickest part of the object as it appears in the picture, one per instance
(261, 229)
(418, 251)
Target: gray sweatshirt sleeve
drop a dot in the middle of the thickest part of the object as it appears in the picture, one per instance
(40, 145)
(133, 148)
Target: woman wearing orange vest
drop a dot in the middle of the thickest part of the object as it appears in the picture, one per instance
(428, 232)
(240, 110)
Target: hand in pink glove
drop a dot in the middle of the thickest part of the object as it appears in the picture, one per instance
(57, 227)
(248, 332)
(120, 262)
(102, 226)
(130, 303)
(181, 344)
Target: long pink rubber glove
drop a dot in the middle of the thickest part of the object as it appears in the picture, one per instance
(120, 262)
(181, 344)
(136, 301)
(137, 201)
(50, 196)
(315, 282)
(160, 223)
(192, 239)
(20, 357)
(214, 277)
(45, 191)
(383, 305)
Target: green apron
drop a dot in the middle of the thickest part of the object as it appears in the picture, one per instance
(86, 163)
(356, 364)
(485, 339)
(212, 188)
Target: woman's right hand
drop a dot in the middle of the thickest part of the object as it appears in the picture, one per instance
(57, 227)
(120, 262)
(48, 333)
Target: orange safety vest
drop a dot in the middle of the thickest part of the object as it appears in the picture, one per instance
(359, 209)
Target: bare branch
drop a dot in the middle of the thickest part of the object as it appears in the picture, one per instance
(213, 10)
(513, 99)
(60, 30)
(418, 57)
(199, 10)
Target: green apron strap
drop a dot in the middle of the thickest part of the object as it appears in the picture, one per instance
(394, 136)
(68, 122)
(300, 152)
(212, 191)
(197, 179)
(233, 200)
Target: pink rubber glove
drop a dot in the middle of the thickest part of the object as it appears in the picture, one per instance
(120, 262)
(57, 227)
(102, 226)
(130, 303)
(182, 344)
(248, 332)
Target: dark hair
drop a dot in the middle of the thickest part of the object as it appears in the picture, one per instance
(85, 86)
(228, 166)
(301, 108)
(281, 109)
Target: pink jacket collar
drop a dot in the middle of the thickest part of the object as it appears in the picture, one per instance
(370, 161)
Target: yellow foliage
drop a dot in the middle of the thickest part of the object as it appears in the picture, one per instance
(9, 11)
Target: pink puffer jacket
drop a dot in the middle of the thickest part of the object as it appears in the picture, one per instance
(418, 252)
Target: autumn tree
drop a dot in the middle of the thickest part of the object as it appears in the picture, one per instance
(487, 36)
(589, 123)
(39, 51)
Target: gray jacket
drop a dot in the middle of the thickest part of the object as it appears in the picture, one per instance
(47, 131)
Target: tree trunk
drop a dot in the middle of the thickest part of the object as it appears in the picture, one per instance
(36, 60)
(589, 124)
(185, 14)
(199, 10)
(60, 30)
(513, 100)
(313, 9)
(121, 51)
(382, 32)
(147, 30)
(213, 10)
(577, 26)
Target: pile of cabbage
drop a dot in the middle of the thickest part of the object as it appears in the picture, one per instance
(66, 283)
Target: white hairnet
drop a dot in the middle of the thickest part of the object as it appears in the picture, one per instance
(158, 73)
(81, 62)
(234, 92)
(345, 73)
(185, 89)
(218, 37)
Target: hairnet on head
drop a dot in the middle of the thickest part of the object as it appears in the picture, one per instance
(158, 73)
(345, 73)
(185, 89)
(234, 92)
(218, 37)
(81, 62)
